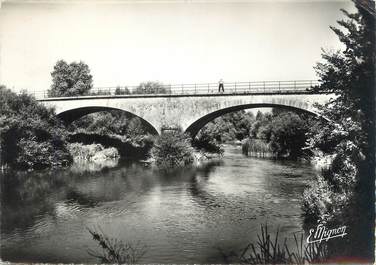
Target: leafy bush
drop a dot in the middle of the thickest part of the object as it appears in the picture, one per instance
(92, 151)
(329, 198)
(172, 150)
(39, 155)
(317, 202)
(111, 152)
(31, 136)
(206, 143)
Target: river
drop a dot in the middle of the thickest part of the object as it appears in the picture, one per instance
(184, 216)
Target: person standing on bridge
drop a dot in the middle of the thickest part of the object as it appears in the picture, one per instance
(220, 85)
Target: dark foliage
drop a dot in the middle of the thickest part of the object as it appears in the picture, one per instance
(31, 136)
(283, 132)
(111, 123)
(206, 143)
(172, 149)
(227, 128)
(345, 192)
(129, 135)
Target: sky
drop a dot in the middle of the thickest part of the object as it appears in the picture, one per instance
(174, 42)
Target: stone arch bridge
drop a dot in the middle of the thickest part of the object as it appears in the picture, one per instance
(189, 111)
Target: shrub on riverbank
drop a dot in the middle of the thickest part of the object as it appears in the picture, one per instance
(31, 136)
(39, 155)
(172, 149)
(92, 152)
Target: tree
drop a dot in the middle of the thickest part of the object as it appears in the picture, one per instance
(288, 135)
(72, 79)
(151, 87)
(349, 136)
(261, 128)
(283, 131)
(229, 127)
(121, 91)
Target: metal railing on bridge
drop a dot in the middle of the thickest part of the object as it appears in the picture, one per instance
(233, 88)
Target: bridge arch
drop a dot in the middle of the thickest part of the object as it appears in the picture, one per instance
(71, 115)
(197, 125)
(188, 112)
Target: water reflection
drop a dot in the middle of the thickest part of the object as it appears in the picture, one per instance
(102, 165)
(183, 215)
(198, 181)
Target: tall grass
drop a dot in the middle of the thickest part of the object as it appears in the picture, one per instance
(269, 250)
(116, 251)
(257, 148)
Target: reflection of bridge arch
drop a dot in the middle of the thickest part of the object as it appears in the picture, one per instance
(71, 115)
(196, 126)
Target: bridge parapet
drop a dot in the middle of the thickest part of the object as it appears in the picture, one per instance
(235, 88)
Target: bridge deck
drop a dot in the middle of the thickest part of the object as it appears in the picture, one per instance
(207, 89)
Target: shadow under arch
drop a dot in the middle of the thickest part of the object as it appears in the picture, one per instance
(196, 126)
(74, 114)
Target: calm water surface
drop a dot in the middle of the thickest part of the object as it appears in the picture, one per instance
(182, 216)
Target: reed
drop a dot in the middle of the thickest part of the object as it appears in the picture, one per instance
(115, 251)
(257, 148)
(268, 250)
